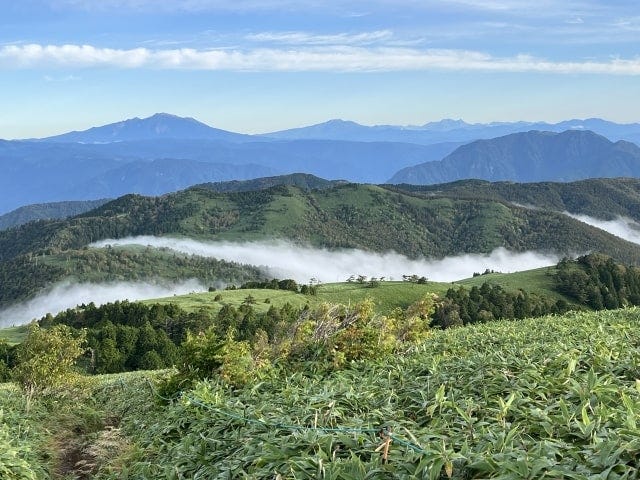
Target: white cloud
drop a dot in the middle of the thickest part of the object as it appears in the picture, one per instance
(284, 260)
(67, 295)
(333, 58)
(622, 227)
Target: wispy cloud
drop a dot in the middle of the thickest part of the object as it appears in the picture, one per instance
(331, 59)
(307, 38)
(622, 227)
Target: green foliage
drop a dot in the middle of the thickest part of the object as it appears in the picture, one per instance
(599, 282)
(207, 356)
(7, 360)
(131, 336)
(46, 358)
(23, 436)
(491, 302)
(12, 466)
(555, 397)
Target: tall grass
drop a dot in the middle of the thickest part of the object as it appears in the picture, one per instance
(557, 397)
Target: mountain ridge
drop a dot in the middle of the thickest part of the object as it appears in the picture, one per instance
(165, 125)
(449, 130)
(532, 156)
(380, 219)
(159, 125)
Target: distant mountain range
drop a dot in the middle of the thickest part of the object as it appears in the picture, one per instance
(164, 126)
(456, 131)
(531, 157)
(165, 153)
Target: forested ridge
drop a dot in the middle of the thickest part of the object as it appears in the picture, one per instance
(26, 275)
(466, 217)
(604, 198)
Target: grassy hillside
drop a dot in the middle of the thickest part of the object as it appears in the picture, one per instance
(13, 335)
(418, 223)
(303, 181)
(387, 296)
(540, 281)
(362, 216)
(556, 397)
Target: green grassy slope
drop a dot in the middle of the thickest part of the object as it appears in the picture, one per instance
(556, 396)
(13, 335)
(539, 281)
(362, 216)
(343, 216)
(386, 296)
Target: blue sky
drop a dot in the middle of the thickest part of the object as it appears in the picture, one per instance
(263, 65)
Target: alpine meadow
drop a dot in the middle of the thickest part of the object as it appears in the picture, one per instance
(344, 240)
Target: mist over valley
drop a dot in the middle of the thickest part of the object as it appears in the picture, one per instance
(283, 259)
(69, 295)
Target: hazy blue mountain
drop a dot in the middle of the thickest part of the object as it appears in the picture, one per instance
(160, 176)
(155, 155)
(448, 130)
(158, 126)
(47, 211)
(39, 172)
(163, 126)
(531, 157)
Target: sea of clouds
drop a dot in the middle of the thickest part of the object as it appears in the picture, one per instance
(283, 259)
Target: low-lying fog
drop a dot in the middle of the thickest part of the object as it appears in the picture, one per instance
(64, 296)
(621, 227)
(285, 260)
